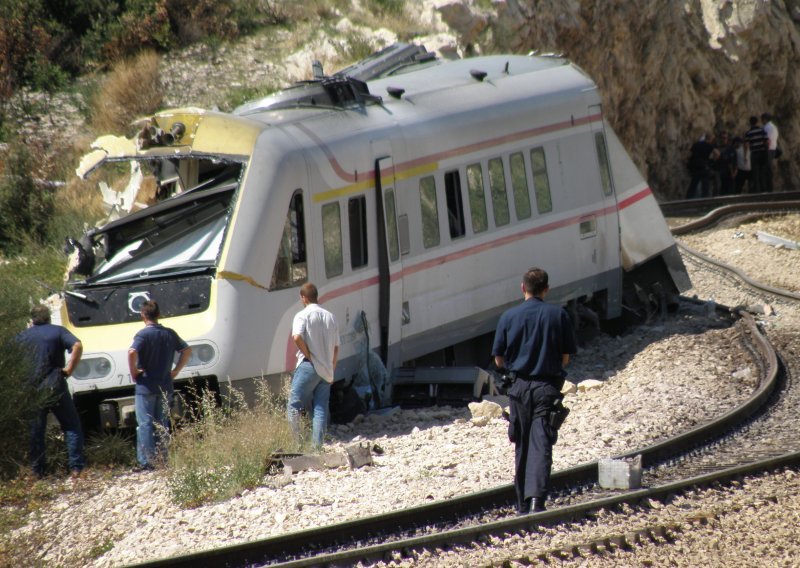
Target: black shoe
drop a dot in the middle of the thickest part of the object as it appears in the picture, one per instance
(145, 467)
(537, 505)
(525, 508)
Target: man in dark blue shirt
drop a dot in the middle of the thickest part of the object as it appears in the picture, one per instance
(47, 344)
(533, 343)
(150, 360)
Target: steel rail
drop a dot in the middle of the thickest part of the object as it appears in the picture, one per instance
(692, 207)
(287, 547)
(547, 518)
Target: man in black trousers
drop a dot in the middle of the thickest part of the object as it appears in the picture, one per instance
(532, 345)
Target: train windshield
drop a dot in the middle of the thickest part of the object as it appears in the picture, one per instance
(179, 231)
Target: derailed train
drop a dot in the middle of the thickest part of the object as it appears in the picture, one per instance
(412, 191)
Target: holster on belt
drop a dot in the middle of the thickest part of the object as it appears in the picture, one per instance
(557, 416)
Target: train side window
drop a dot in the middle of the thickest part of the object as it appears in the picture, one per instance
(497, 185)
(332, 239)
(519, 184)
(430, 212)
(405, 236)
(602, 158)
(455, 204)
(477, 199)
(357, 220)
(291, 268)
(541, 182)
(391, 224)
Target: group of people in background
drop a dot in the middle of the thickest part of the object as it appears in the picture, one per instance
(719, 165)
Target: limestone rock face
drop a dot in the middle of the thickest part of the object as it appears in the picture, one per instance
(667, 71)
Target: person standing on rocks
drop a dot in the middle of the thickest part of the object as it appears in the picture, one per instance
(772, 146)
(702, 155)
(742, 164)
(150, 360)
(758, 142)
(532, 344)
(316, 335)
(47, 343)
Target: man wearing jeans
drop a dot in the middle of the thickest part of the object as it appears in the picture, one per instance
(48, 343)
(316, 335)
(150, 361)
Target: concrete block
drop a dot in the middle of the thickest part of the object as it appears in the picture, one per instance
(620, 474)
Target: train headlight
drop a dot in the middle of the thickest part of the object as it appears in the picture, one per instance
(92, 368)
(202, 354)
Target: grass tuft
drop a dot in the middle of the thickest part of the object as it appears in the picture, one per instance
(132, 90)
(224, 449)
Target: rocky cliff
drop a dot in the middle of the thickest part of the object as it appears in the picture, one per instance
(667, 69)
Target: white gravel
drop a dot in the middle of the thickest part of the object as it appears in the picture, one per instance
(663, 379)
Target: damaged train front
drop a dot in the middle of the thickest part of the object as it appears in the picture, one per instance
(169, 192)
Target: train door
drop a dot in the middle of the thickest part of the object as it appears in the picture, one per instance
(390, 281)
(605, 224)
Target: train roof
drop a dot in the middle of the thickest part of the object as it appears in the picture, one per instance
(530, 77)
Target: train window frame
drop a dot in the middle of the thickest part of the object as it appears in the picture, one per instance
(541, 180)
(429, 212)
(605, 167)
(333, 252)
(291, 263)
(498, 192)
(477, 198)
(455, 204)
(390, 214)
(519, 186)
(357, 226)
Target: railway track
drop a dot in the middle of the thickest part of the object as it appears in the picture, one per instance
(726, 449)
(479, 516)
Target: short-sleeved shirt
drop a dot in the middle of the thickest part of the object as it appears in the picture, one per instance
(318, 328)
(156, 347)
(532, 338)
(758, 140)
(48, 343)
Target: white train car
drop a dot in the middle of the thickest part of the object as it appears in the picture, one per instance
(413, 192)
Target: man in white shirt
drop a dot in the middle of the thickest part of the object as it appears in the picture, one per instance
(316, 335)
(772, 136)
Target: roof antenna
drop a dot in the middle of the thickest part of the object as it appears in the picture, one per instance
(316, 67)
(505, 69)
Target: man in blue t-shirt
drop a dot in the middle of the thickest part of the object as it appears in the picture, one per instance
(150, 360)
(47, 344)
(532, 343)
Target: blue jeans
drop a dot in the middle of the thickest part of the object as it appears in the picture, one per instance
(152, 424)
(309, 390)
(63, 408)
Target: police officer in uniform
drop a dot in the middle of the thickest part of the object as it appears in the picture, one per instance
(532, 344)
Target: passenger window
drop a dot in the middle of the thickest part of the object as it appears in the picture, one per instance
(405, 237)
(602, 159)
(477, 200)
(357, 218)
(541, 183)
(391, 224)
(497, 184)
(519, 183)
(455, 204)
(291, 268)
(332, 239)
(430, 212)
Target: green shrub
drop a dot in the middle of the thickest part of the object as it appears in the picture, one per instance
(20, 398)
(225, 449)
(110, 449)
(25, 203)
